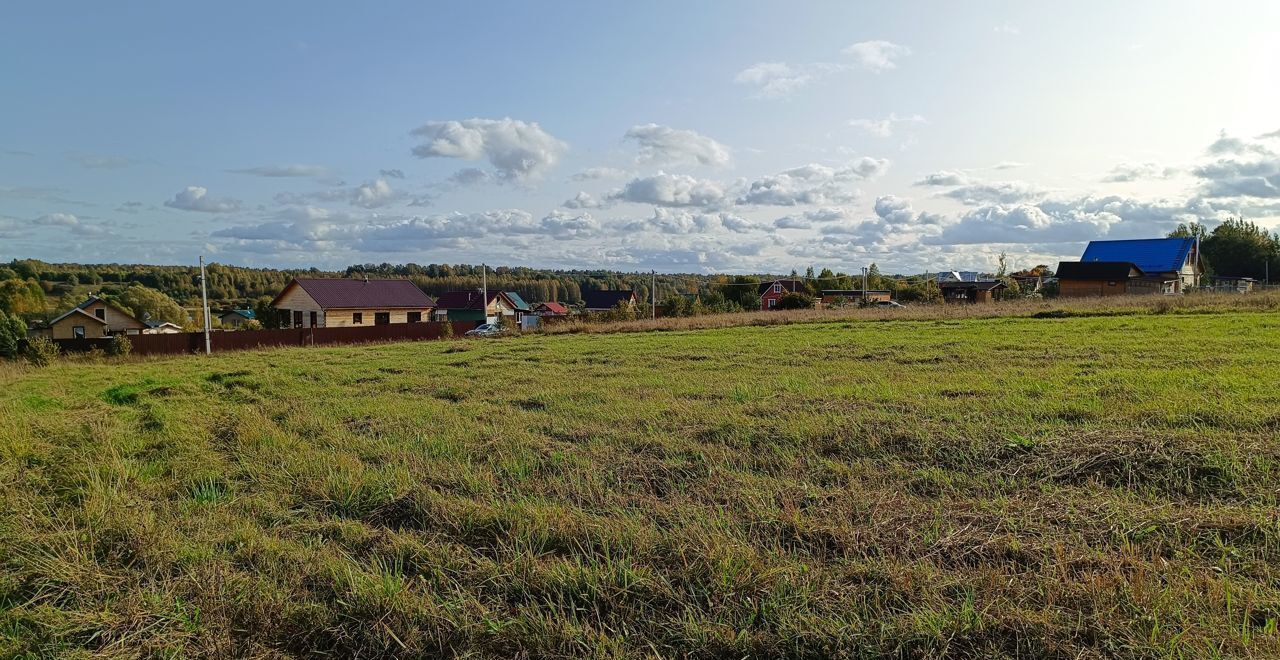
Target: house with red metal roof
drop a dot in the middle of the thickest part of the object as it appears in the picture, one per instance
(336, 303)
(547, 309)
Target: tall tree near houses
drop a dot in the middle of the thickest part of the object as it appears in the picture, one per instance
(874, 280)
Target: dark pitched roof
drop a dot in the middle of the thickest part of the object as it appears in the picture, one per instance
(790, 286)
(606, 299)
(461, 300)
(517, 302)
(471, 300)
(335, 293)
(982, 285)
(1097, 270)
(1152, 255)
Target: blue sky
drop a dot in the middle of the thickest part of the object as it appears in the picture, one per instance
(705, 137)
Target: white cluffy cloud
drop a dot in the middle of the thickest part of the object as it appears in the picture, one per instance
(776, 79)
(780, 79)
(877, 56)
(373, 194)
(944, 178)
(600, 173)
(884, 127)
(663, 144)
(518, 150)
(813, 184)
(1128, 172)
(196, 198)
(674, 190)
(285, 171)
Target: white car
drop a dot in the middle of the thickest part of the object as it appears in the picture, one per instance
(889, 303)
(484, 330)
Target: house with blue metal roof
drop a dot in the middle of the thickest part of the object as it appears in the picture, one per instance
(1174, 261)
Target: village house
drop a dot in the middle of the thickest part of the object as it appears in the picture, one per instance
(162, 328)
(772, 292)
(603, 301)
(1028, 283)
(93, 319)
(854, 296)
(235, 318)
(466, 306)
(1175, 262)
(550, 310)
(337, 303)
(961, 292)
(1090, 279)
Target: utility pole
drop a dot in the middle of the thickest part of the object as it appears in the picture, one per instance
(653, 294)
(484, 292)
(204, 295)
(864, 283)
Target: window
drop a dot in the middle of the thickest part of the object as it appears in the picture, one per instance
(777, 288)
(77, 331)
(297, 318)
(313, 320)
(381, 318)
(772, 303)
(101, 313)
(415, 317)
(357, 318)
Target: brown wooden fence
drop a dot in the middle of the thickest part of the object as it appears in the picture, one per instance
(193, 342)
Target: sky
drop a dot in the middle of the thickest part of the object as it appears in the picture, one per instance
(709, 137)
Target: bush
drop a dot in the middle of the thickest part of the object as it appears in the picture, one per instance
(12, 333)
(446, 330)
(120, 346)
(796, 301)
(41, 351)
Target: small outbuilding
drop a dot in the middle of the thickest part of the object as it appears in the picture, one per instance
(1091, 279)
(855, 296)
(550, 309)
(981, 291)
(603, 301)
(235, 318)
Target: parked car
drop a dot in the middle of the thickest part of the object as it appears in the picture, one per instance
(889, 303)
(484, 330)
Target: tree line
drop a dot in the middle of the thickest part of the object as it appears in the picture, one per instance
(1235, 248)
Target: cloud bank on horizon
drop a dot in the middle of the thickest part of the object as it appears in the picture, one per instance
(902, 147)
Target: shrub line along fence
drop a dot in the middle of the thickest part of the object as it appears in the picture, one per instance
(239, 340)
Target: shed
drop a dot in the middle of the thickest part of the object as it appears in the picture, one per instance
(855, 296)
(981, 291)
(1086, 279)
(603, 301)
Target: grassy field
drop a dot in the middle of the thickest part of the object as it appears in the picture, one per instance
(1095, 486)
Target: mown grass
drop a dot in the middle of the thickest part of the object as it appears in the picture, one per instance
(1089, 486)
